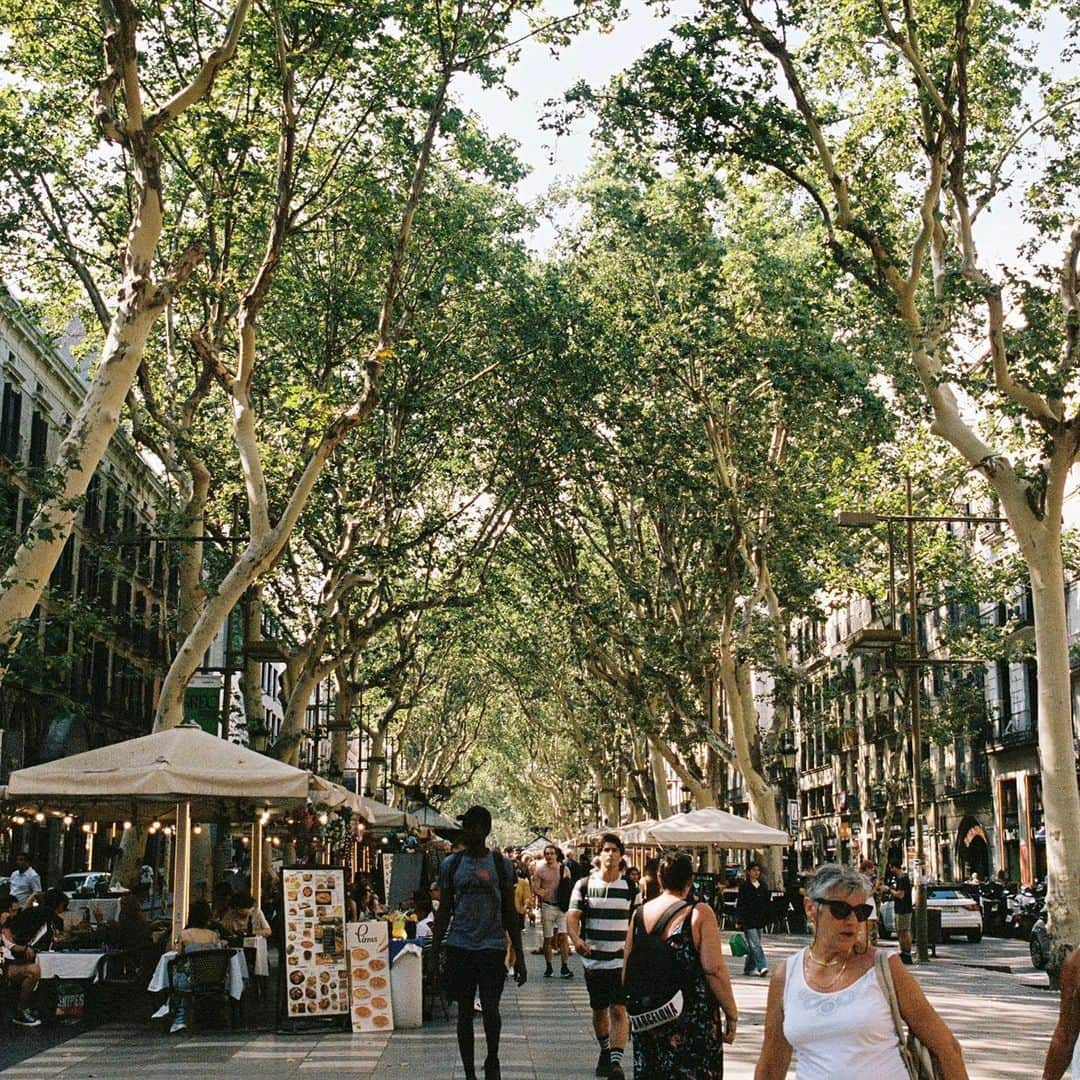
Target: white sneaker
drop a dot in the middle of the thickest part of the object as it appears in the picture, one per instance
(161, 1013)
(763, 972)
(177, 1026)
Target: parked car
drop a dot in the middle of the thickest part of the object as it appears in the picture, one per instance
(960, 912)
(88, 882)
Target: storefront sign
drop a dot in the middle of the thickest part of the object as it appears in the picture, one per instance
(368, 949)
(315, 962)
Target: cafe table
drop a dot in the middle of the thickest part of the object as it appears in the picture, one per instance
(238, 973)
(262, 958)
(76, 964)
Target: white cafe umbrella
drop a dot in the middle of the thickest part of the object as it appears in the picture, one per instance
(637, 833)
(182, 771)
(718, 827)
(435, 819)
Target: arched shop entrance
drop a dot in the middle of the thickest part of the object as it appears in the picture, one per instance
(972, 848)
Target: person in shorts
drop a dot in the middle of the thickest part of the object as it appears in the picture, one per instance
(475, 917)
(545, 882)
(601, 907)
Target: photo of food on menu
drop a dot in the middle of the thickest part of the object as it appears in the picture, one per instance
(368, 946)
(317, 973)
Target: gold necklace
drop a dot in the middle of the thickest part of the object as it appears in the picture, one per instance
(822, 963)
(836, 978)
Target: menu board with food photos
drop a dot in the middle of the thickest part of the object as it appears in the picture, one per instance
(368, 947)
(315, 963)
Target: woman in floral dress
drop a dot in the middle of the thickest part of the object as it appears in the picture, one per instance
(692, 1047)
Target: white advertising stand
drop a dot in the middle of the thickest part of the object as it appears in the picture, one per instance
(367, 948)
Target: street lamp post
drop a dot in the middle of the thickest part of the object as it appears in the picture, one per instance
(914, 664)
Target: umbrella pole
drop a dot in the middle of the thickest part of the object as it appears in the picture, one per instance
(257, 861)
(181, 869)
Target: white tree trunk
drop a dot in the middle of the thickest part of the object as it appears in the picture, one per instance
(663, 803)
(139, 303)
(1061, 797)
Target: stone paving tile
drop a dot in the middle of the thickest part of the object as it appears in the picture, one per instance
(1003, 1021)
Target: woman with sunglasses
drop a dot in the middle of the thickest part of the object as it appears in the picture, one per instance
(826, 1006)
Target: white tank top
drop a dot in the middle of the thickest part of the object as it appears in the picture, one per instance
(844, 1035)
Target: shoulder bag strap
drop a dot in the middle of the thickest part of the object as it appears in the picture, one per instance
(662, 923)
(885, 981)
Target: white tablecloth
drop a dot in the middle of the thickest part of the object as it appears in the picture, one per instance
(110, 909)
(68, 965)
(262, 960)
(238, 973)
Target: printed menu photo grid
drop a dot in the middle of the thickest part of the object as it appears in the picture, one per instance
(315, 963)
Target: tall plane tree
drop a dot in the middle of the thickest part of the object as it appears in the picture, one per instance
(901, 124)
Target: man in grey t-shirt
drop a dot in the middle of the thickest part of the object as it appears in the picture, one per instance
(476, 914)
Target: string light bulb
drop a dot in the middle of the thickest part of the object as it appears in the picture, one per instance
(39, 817)
(126, 826)
(324, 818)
(87, 827)
(196, 830)
(67, 819)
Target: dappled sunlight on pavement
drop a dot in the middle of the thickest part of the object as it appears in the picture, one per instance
(1003, 1020)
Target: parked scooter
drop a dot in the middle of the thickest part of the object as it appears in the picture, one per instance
(1025, 908)
(1039, 945)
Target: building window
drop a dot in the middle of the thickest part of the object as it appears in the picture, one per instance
(10, 423)
(39, 440)
(92, 508)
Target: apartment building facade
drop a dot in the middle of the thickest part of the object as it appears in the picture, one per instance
(981, 782)
(95, 650)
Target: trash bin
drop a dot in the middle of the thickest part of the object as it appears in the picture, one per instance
(406, 987)
(933, 929)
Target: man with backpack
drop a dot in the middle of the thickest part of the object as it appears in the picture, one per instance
(601, 907)
(475, 916)
(552, 882)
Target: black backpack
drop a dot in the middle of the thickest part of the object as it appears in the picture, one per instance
(654, 985)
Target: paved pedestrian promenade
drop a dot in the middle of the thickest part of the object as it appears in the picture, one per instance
(994, 1001)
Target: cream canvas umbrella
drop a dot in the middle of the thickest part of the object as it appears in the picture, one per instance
(435, 819)
(182, 771)
(636, 834)
(717, 827)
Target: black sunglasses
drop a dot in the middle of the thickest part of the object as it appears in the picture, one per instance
(841, 909)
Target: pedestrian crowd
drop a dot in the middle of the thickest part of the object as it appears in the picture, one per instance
(654, 968)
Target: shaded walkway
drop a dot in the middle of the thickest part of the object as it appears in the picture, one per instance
(1003, 1019)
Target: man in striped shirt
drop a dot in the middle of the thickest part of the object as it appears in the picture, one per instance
(601, 906)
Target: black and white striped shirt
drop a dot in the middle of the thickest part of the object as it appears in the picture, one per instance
(606, 907)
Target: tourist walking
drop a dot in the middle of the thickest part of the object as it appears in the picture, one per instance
(600, 909)
(551, 882)
(1065, 1046)
(753, 912)
(898, 886)
(475, 916)
(829, 1003)
(692, 1046)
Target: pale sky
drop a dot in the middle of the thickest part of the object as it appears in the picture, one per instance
(595, 57)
